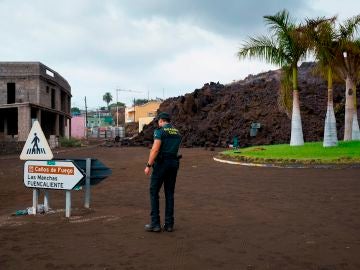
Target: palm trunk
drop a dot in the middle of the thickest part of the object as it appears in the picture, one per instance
(330, 134)
(349, 108)
(355, 128)
(297, 137)
(355, 125)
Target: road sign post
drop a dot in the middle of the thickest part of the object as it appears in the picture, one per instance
(87, 183)
(46, 201)
(35, 200)
(68, 204)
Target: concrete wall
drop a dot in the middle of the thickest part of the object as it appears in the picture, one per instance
(7, 148)
(24, 122)
(26, 89)
(78, 127)
(144, 121)
(146, 110)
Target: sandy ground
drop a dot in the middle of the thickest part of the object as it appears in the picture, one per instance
(227, 217)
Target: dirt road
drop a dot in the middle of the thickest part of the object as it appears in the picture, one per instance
(227, 217)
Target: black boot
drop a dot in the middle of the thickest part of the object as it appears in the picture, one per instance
(152, 228)
(168, 228)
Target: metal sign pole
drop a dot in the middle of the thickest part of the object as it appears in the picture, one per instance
(87, 183)
(46, 201)
(35, 200)
(68, 204)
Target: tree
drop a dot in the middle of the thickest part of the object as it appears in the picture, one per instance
(140, 102)
(347, 66)
(107, 98)
(285, 48)
(119, 104)
(321, 34)
(75, 110)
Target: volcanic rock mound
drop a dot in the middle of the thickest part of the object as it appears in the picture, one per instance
(216, 113)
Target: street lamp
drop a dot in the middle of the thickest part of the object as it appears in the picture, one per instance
(346, 60)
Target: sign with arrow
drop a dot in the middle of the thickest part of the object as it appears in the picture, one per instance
(36, 146)
(52, 174)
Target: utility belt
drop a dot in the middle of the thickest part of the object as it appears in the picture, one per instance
(167, 156)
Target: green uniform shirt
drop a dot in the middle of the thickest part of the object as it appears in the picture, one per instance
(170, 139)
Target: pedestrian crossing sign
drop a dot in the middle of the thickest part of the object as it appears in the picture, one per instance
(36, 146)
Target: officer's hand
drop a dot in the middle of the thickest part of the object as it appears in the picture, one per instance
(147, 170)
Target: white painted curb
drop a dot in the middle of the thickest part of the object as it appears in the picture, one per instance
(254, 164)
(289, 166)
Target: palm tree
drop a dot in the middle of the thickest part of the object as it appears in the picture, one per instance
(107, 98)
(284, 48)
(355, 126)
(322, 39)
(355, 52)
(347, 66)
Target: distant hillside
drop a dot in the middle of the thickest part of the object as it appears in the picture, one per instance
(214, 114)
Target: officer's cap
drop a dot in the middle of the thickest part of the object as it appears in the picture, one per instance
(164, 116)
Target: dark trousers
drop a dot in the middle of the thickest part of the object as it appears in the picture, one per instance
(163, 172)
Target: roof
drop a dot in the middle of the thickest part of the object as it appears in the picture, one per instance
(15, 69)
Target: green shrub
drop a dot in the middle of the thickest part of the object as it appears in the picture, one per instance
(69, 142)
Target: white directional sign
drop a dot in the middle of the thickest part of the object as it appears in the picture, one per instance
(51, 174)
(36, 146)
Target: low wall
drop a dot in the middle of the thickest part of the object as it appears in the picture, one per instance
(7, 148)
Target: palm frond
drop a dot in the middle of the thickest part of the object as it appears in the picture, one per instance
(263, 48)
(279, 22)
(283, 47)
(324, 43)
(349, 27)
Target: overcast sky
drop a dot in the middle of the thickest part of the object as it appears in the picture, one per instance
(163, 48)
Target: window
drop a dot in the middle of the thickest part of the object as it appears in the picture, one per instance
(50, 73)
(52, 98)
(10, 93)
(47, 89)
(63, 101)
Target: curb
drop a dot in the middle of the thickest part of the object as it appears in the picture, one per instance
(288, 166)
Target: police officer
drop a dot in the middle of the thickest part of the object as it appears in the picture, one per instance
(164, 160)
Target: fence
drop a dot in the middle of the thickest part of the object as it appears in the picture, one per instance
(108, 132)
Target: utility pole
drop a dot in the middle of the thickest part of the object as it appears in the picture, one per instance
(86, 121)
(117, 109)
(134, 110)
(99, 116)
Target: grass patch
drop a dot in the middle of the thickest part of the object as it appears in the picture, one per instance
(69, 142)
(309, 153)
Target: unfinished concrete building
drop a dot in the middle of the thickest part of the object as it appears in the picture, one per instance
(29, 91)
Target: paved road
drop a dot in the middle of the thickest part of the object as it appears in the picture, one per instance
(227, 217)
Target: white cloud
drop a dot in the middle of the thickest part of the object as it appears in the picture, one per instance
(215, 62)
(344, 9)
(158, 45)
